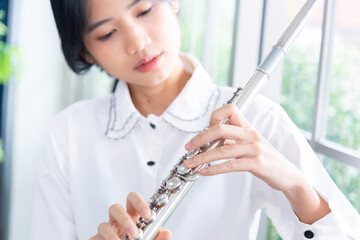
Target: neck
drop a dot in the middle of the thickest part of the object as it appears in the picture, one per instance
(156, 99)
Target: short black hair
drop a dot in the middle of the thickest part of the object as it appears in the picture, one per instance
(71, 22)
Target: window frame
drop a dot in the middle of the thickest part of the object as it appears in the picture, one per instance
(240, 70)
(317, 137)
(243, 70)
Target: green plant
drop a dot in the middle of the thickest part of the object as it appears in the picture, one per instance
(6, 66)
(6, 53)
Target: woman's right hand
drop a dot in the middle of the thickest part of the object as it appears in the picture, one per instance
(123, 222)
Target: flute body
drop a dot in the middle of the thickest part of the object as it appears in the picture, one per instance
(180, 179)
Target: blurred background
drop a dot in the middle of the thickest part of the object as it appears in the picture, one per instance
(318, 84)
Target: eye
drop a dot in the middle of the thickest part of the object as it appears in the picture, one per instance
(144, 12)
(106, 36)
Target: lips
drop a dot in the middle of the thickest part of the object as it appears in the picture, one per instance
(149, 63)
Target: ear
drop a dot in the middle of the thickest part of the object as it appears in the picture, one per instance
(174, 4)
(88, 57)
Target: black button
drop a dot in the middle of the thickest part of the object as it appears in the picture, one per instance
(150, 163)
(152, 126)
(308, 234)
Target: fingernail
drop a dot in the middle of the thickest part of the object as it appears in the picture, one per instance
(189, 145)
(133, 231)
(146, 214)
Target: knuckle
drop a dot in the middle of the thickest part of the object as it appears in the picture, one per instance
(199, 138)
(232, 107)
(215, 116)
(135, 199)
(102, 227)
(232, 164)
(115, 208)
(258, 154)
(256, 134)
(127, 223)
(131, 196)
(257, 148)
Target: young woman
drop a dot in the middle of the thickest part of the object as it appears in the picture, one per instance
(101, 151)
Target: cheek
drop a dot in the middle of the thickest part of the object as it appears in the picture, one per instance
(168, 32)
(103, 53)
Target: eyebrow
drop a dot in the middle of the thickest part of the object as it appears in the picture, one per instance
(92, 27)
(134, 3)
(98, 24)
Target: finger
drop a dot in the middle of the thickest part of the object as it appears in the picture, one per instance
(135, 206)
(222, 131)
(219, 153)
(231, 113)
(106, 232)
(163, 235)
(236, 165)
(96, 237)
(123, 220)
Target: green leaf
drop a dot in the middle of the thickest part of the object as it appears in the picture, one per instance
(5, 67)
(2, 14)
(3, 29)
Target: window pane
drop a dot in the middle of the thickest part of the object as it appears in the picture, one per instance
(300, 70)
(272, 233)
(343, 125)
(192, 22)
(347, 178)
(207, 32)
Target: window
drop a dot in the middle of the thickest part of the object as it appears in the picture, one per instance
(202, 22)
(321, 80)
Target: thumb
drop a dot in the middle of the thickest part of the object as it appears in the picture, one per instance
(163, 235)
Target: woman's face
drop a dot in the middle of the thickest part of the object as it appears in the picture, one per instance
(137, 41)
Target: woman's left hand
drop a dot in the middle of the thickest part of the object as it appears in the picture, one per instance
(246, 148)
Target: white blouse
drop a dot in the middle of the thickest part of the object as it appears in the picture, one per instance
(100, 150)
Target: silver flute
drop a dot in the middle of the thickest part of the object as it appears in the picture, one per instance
(176, 185)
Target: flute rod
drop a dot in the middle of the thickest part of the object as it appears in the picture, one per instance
(242, 98)
(263, 72)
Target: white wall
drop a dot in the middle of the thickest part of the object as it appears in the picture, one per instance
(35, 102)
(45, 87)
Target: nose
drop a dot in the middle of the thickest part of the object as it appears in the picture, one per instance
(137, 40)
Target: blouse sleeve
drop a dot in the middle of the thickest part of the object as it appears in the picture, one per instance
(342, 223)
(52, 211)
